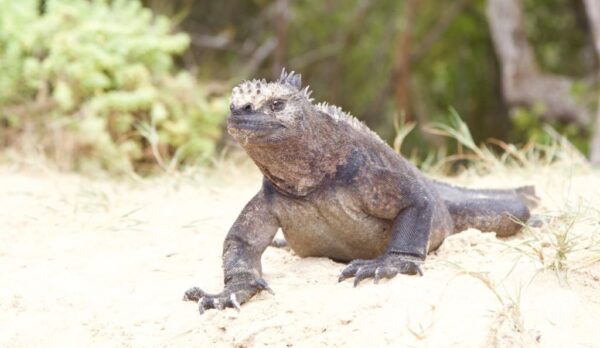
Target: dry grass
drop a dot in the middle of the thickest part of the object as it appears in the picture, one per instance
(482, 159)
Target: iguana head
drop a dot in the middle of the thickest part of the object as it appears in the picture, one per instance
(295, 144)
(263, 113)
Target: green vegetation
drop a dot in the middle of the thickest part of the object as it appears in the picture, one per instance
(94, 83)
(143, 84)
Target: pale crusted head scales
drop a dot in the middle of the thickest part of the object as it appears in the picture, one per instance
(256, 92)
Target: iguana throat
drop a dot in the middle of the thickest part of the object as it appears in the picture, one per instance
(303, 163)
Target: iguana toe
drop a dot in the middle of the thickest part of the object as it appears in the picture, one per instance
(220, 301)
(193, 294)
(351, 269)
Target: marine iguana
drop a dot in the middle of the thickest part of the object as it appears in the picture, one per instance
(337, 190)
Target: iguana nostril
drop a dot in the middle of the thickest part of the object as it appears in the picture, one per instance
(247, 107)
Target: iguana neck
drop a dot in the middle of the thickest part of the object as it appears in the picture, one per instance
(299, 165)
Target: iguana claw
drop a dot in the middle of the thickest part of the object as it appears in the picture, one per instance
(262, 284)
(386, 266)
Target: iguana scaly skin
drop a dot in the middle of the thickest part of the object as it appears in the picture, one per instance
(337, 190)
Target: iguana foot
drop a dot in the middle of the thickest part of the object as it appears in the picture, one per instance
(385, 266)
(232, 296)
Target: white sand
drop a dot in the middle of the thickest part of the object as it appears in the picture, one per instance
(102, 263)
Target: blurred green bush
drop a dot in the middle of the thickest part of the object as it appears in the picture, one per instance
(93, 84)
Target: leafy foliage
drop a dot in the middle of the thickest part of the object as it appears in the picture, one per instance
(96, 79)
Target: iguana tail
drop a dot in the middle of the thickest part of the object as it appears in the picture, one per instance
(528, 196)
(500, 211)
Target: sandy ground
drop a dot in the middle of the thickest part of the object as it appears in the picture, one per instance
(92, 262)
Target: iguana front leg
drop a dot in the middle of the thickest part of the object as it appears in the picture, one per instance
(409, 203)
(247, 239)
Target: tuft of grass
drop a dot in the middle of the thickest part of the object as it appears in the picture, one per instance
(485, 158)
(558, 246)
(510, 304)
(458, 130)
(402, 128)
(468, 151)
(424, 325)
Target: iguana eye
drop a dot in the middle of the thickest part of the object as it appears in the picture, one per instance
(277, 105)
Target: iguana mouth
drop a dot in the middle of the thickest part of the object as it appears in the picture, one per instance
(252, 122)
